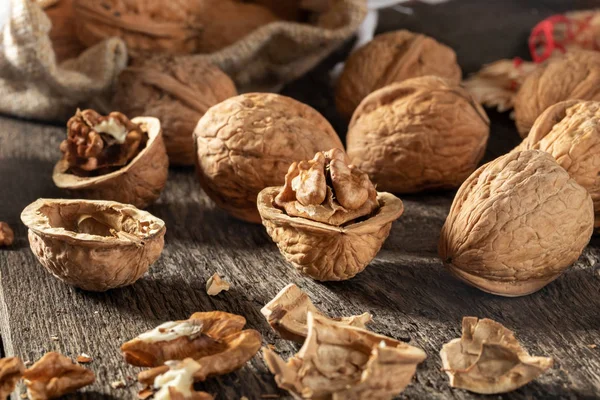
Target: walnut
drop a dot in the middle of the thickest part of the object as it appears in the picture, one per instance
(7, 236)
(516, 224)
(55, 375)
(296, 10)
(178, 93)
(388, 58)
(182, 27)
(326, 189)
(287, 314)
(216, 285)
(64, 41)
(338, 361)
(422, 134)
(177, 383)
(112, 158)
(570, 132)
(576, 75)
(247, 143)
(11, 370)
(93, 245)
(488, 359)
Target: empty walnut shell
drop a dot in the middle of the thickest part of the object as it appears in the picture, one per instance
(177, 93)
(423, 133)
(247, 143)
(516, 224)
(570, 132)
(576, 75)
(93, 245)
(392, 57)
(139, 183)
(327, 252)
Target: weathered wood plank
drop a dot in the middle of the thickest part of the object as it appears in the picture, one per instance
(406, 288)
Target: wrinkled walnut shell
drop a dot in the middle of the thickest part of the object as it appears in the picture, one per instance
(325, 252)
(422, 134)
(576, 75)
(247, 143)
(140, 182)
(178, 93)
(121, 244)
(392, 57)
(569, 131)
(516, 224)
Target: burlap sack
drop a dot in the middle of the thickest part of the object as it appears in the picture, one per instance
(32, 85)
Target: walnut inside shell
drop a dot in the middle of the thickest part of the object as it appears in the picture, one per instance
(94, 245)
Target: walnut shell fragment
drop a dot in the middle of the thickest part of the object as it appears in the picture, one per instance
(139, 182)
(178, 93)
(55, 375)
(338, 361)
(288, 312)
(11, 371)
(177, 383)
(327, 252)
(247, 143)
(7, 236)
(92, 244)
(392, 57)
(576, 75)
(516, 224)
(488, 359)
(422, 134)
(570, 132)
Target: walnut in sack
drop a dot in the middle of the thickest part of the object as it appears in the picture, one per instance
(424, 133)
(338, 361)
(488, 359)
(7, 236)
(392, 57)
(328, 220)
(63, 37)
(11, 370)
(113, 158)
(55, 375)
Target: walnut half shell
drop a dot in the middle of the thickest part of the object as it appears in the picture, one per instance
(327, 252)
(140, 182)
(92, 244)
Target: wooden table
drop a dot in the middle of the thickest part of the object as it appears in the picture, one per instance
(406, 288)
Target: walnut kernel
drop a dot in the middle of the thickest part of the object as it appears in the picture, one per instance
(11, 370)
(216, 285)
(7, 236)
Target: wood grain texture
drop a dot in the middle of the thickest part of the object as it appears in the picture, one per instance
(406, 288)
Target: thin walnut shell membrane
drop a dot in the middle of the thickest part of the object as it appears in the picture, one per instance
(326, 252)
(338, 361)
(516, 224)
(570, 132)
(488, 359)
(94, 245)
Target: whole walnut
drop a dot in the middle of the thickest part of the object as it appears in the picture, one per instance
(570, 132)
(576, 75)
(178, 93)
(516, 224)
(392, 57)
(64, 41)
(247, 143)
(423, 133)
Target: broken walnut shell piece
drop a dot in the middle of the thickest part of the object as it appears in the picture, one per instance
(177, 383)
(93, 244)
(139, 182)
(288, 312)
(11, 371)
(488, 359)
(7, 236)
(338, 361)
(326, 252)
(55, 375)
(523, 197)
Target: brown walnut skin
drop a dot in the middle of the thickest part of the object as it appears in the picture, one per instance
(570, 132)
(248, 142)
(388, 58)
(516, 224)
(11, 371)
(91, 262)
(326, 252)
(422, 134)
(139, 183)
(576, 75)
(177, 93)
